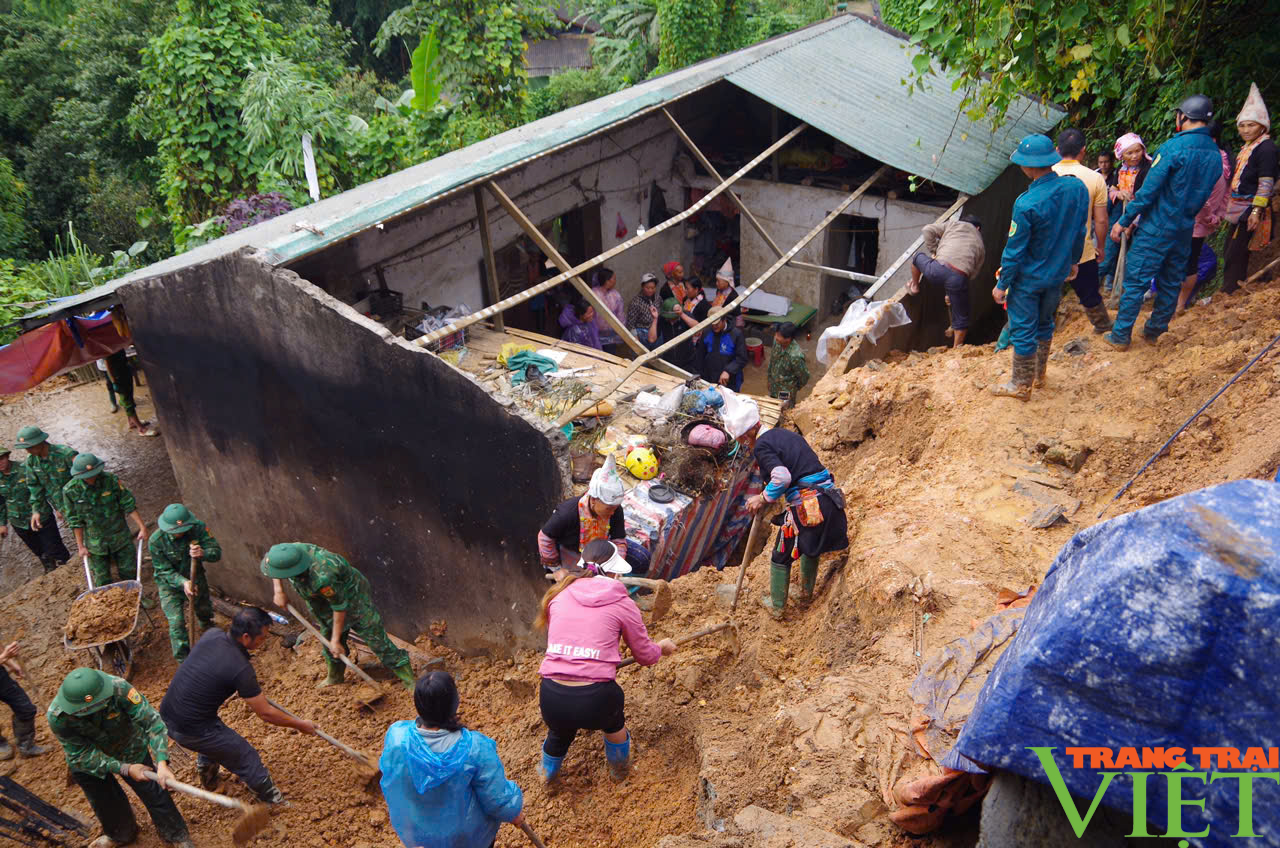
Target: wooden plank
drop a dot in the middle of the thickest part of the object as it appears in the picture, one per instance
(490, 265)
(546, 285)
(835, 272)
(716, 314)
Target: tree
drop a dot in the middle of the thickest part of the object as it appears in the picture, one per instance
(192, 76)
(34, 75)
(15, 233)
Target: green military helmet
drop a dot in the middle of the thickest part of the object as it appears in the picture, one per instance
(668, 310)
(29, 437)
(285, 560)
(86, 465)
(84, 691)
(176, 519)
(4, 450)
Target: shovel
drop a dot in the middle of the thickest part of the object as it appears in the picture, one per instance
(661, 594)
(533, 837)
(746, 558)
(369, 770)
(255, 816)
(377, 690)
(704, 632)
(191, 603)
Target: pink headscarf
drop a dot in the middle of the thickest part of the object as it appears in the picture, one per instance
(1128, 140)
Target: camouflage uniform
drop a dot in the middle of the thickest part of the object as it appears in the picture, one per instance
(99, 507)
(788, 371)
(47, 477)
(171, 566)
(330, 584)
(15, 503)
(98, 746)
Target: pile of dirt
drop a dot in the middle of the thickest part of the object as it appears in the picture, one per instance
(102, 616)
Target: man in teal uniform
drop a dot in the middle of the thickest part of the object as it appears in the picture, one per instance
(338, 596)
(1045, 241)
(49, 469)
(1181, 178)
(96, 505)
(107, 728)
(181, 538)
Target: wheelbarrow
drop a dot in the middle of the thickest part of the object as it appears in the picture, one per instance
(115, 654)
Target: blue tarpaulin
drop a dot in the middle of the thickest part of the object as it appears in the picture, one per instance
(1160, 628)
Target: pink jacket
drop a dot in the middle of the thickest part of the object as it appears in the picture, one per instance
(1210, 215)
(585, 622)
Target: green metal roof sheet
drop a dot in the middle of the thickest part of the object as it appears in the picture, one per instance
(847, 82)
(800, 72)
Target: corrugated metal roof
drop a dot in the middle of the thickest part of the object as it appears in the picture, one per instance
(806, 60)
(847, 82)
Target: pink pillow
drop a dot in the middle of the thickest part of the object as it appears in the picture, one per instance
(706, 436)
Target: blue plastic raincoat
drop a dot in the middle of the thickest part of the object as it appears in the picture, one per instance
(457, 799)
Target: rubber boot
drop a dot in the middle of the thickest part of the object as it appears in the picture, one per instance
(808, 577)
(550, 768)
(1110, 338)
(1019, 385)
(25, 734)
(337, 673)
(1042, 364)
(1003, 342)
(404, 674)
(1099, 318)
(6, 750)
(779, 581)
(207, 770)
(618, 754)
(273, 796)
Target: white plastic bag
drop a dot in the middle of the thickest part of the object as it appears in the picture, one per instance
(871, 319)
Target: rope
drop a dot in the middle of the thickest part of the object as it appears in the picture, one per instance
(1187, 424)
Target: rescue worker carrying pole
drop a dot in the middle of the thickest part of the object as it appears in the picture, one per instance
(217, 669)
(1046, 237)
(584, 614)
(1181, 178)
(338, 596)
(107, 728)
(181, 538)
(813, 522)
(96, 505)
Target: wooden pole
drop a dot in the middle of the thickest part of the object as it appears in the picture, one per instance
(686, 639)
(911, 251)
(544, 244)
(746, 558)
(547, 285)
(717, 314)
(490, 265)
(835, 272)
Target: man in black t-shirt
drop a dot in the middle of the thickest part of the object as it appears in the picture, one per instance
(217, 668)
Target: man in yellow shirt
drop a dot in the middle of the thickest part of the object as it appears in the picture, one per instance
(1071, 149)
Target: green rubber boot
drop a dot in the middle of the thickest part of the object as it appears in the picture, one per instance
(808, 577)
(405, 675)
(779, 581)
(337, 673)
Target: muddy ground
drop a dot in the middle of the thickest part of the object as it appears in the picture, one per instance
(809, 717)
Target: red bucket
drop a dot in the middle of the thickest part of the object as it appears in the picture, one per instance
(755, 349)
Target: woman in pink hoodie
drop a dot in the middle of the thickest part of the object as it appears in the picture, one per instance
(584, 614)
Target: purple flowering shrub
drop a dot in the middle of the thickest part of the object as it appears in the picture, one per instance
(247, 211)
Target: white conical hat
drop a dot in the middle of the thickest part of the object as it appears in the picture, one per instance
(726, 271)
(1254, 109)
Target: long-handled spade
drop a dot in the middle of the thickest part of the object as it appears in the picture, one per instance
(699, 634)
(191, 612)
(255, 816)
(310, 628)
(369, 770)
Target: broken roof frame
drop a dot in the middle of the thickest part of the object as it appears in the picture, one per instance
(851, 48)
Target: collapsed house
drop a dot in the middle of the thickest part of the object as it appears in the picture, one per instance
(333, 376)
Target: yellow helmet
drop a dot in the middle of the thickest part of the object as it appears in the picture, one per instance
(642, 464)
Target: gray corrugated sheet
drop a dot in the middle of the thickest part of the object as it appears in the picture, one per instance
(354, 211)
(847, 82)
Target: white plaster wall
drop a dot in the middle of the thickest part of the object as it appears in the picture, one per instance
(435, 255)
(788, 212)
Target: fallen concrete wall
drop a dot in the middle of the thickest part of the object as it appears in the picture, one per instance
(289, 417)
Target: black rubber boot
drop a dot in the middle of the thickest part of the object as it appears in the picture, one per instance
(25, 734)
(1042, 364)
(1019, 385)
(1099, 318)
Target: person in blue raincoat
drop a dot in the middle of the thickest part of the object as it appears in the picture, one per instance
(444, 784)
(1181, 178)
(1045, 241)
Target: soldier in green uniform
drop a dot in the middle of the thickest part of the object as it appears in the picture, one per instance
(15, 503)
(48, 470)
(788, 371)
(107, 728)
(96, 505)
(338, 595)
(181, 538)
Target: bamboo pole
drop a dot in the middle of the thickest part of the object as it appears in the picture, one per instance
(546, 285)
(490, 265)
(716, 314)
(915, 245)
(544, 244)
